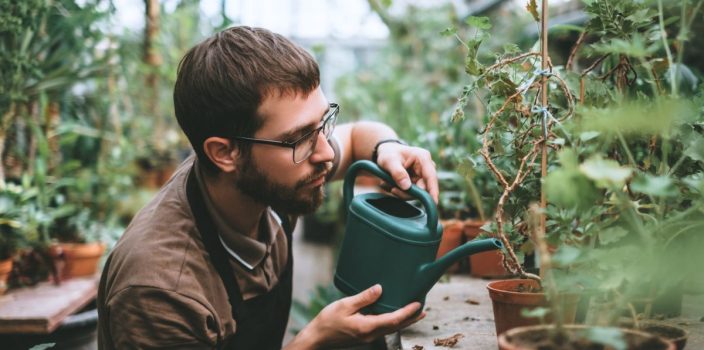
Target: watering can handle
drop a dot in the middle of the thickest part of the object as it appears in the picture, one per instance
(414, 191)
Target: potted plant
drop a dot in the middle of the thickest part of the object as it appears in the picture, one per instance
(11, 238)
(517, 133)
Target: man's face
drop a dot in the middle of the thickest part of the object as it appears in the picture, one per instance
(269, 174)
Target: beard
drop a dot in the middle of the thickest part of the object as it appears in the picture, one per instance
(297, 200)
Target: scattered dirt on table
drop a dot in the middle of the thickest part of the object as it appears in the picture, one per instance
(435, 328)
(448, 342)
(471, 302)
(427, 308)
(417, 347)
(467, 318)
(446, 298)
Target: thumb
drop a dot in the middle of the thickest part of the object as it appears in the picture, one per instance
(365, 298)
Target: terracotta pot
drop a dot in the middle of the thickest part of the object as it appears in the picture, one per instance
(78, 259)
(485, 264)
(670, 332)
(509, 299)
(534, 337)
(451, 238)
(5, 270)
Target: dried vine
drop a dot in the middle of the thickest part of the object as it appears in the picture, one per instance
(539, 145)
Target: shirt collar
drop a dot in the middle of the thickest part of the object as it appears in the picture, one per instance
(247, 251)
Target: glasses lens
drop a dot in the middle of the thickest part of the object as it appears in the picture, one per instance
(305, 147)
(329, 125)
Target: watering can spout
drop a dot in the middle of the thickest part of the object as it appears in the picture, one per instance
(431, 272)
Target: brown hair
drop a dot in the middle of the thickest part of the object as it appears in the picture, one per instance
(223, 80)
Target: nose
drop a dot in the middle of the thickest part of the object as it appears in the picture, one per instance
(323, 151)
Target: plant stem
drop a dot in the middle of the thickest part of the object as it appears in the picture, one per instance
(663, 36)
(544, 103)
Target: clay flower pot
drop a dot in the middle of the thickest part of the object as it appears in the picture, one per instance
(77, 259)
(5, 270)
(510, 297)
(539, 337)
(485, 264)
(452, 236)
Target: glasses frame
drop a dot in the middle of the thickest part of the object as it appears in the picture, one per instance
(331, 114)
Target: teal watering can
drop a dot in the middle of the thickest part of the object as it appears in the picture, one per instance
(393, 243)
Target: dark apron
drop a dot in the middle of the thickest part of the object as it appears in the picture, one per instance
(260, 321)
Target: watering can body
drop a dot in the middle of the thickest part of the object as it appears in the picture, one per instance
(393, 243)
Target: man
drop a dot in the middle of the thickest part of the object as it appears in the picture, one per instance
(207, 263)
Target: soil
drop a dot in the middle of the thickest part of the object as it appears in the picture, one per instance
(539, 340)
(526, 288)
(670, 333)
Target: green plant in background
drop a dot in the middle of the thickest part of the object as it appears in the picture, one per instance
(322, 296)
(153, 130)
(411, 85)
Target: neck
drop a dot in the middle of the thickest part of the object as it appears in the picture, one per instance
(239, 211)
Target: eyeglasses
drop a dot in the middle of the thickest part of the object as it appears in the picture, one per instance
(304, 146)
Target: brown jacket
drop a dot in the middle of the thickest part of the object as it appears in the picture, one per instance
(159, 288)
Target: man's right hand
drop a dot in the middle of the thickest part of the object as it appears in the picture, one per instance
(341, 323)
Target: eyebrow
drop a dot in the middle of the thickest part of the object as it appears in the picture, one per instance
(299, 131)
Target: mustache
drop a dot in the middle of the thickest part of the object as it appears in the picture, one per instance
(320, 170)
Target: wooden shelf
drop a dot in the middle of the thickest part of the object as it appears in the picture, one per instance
(41, 309)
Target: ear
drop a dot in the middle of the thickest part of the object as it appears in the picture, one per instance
(222, 153)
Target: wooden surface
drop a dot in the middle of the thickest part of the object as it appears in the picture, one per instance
(42, 308)
(450, 313)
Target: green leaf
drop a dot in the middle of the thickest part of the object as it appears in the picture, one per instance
(612, 234)
(449, 31)
(482, 23)
(568, 158)
(532, 7)
(606, 173)
(661, 186)
(471, 64)
(588, 135)
(386, 3)
(569, 189)
(695, 150)
(612, 337)
(511, 48)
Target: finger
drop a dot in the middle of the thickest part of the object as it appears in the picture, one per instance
(393, 320)
(401, 194)
(421, 183)
(430, 178)
(365, 298)
(399, 174)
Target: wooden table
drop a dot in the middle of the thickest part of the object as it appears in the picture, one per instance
(41, 309)
(462, 305)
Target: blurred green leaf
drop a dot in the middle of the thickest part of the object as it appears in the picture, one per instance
(612, 235)
(695, 150)
(639, 117)
(565, 255)
(661, 186)
(606, 173)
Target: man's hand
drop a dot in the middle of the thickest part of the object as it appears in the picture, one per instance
(341, 323)
(408, 165)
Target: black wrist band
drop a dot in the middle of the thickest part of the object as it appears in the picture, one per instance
(375, 153)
